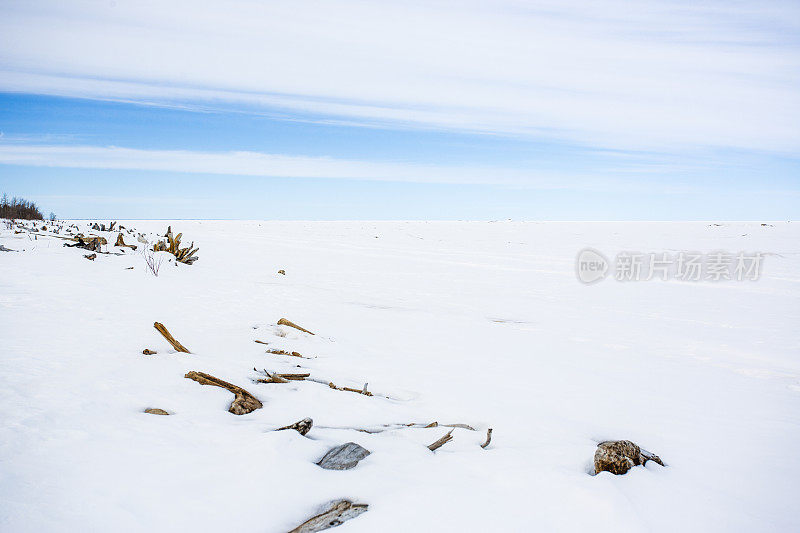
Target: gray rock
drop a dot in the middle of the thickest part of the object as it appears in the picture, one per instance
(343, 457)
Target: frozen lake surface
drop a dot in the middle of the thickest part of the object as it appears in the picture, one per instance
(478, 323)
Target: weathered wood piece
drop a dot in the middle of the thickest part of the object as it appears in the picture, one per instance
(619, 456)
(282, 352)
(93, 244)
(281, 271)
(170, 339)
(148, 351)
(243, 403)
(335, 514)
(343, 457)
(284, 322)
(155, 411)
(462, 426)
(488, 438)
(363, 391)
(441, 442)
(301, 426)
(121, 242)
(90, 257)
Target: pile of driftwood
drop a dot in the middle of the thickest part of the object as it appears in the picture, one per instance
(172, 245)
(341, 457)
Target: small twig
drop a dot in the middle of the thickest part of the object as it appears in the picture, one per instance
(441, 442)
(170, 339)
(488, 438)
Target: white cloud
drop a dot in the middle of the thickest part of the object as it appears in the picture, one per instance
(607, 74)
(292, 166)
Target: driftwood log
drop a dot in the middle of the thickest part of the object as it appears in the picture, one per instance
(243, 403)
(284, 322)
(441, 442)
(170, 339)
(334, 515)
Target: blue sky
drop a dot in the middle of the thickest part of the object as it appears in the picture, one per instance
(352, 110)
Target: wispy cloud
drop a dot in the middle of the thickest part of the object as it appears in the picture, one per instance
(621, 75)
(240, 163)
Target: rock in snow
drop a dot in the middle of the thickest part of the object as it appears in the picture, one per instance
(619, 456)
(343, 457)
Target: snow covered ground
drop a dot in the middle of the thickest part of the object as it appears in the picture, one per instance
(478, 323)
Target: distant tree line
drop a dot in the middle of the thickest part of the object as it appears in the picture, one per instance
(20, 208)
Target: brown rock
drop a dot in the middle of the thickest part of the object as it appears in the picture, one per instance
(619, 456)
(155, 411)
